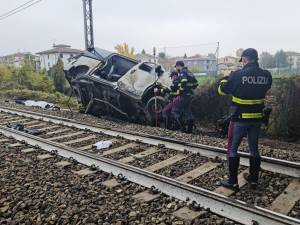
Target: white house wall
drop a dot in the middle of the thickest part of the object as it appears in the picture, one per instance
(49, 60)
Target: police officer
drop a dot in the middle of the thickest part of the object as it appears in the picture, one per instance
(172, 91)
(187, 83)
(248, 88)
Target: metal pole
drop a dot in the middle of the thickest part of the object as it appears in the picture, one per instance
(88, 24)
(156, 116)
(217, 57)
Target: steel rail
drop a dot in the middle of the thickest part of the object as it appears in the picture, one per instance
(269, 164)
(233, 209)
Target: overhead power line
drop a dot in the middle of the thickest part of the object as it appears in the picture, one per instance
(11, 11)
(19, 9)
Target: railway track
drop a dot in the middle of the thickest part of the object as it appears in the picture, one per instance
(36, 189)
(182, 170)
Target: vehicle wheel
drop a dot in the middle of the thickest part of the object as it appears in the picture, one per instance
(155, 105)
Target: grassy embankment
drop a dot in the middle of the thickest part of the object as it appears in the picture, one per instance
(28, 83)
(56, 98)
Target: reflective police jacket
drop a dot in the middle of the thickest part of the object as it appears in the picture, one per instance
(187, 82)
(248, 88)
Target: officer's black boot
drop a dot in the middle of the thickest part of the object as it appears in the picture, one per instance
(254, 169)
(232, 181)
(164, 122)
(190, 126)
(178, 124)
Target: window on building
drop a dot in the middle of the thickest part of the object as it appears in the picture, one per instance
(61, 55)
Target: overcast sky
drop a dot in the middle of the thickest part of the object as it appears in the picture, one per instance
(267, 25)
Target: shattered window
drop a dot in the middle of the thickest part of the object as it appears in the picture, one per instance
(146, 67)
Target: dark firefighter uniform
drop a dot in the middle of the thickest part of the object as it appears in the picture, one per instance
(248, 88)
(187, 84)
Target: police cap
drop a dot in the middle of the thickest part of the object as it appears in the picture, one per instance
(250, 53)
(179, 63)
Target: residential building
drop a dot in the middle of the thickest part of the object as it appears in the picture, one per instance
(293, 59)
(228, 61)
(228, 64)
(17, 59)
(48, 58)
(146, 57)
(201, 64)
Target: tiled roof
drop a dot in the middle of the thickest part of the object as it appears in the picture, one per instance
(290, 53)
(60, 50)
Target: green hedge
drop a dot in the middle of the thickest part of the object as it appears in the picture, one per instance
(56, 98)
(283, 98)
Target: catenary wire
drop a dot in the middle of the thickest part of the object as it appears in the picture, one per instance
(19, 10)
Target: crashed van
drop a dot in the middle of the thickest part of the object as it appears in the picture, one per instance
(107, 83)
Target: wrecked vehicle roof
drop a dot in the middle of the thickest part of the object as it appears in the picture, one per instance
(104, 81)
(101, 54)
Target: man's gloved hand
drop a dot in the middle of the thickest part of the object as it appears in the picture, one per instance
(222, 78)
(266, 115)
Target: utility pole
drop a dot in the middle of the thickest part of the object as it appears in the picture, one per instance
(88, 25)
(217, 57)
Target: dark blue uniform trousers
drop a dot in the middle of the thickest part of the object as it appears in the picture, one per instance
(182, 106)
(238, 130)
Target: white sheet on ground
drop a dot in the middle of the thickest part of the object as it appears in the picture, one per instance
(103, 144)
(41, 104)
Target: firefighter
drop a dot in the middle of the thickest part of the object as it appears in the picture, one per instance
(172, 91)
(248, 88)
(187, 83)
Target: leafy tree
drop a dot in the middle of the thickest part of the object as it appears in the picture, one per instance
(266, 60)
(40, 82)
(280, 59)
(58, 76)
(143, 52)
(30, 59)
(124, 49)
(5, 74)
(22, 76)
(185, 56)
(25, 77)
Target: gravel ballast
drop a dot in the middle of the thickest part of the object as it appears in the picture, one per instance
(270, 148)
(39, 192)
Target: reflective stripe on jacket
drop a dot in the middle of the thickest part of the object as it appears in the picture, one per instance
(187, 82)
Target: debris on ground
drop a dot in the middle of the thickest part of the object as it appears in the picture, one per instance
(102, 144)
(22, 128)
